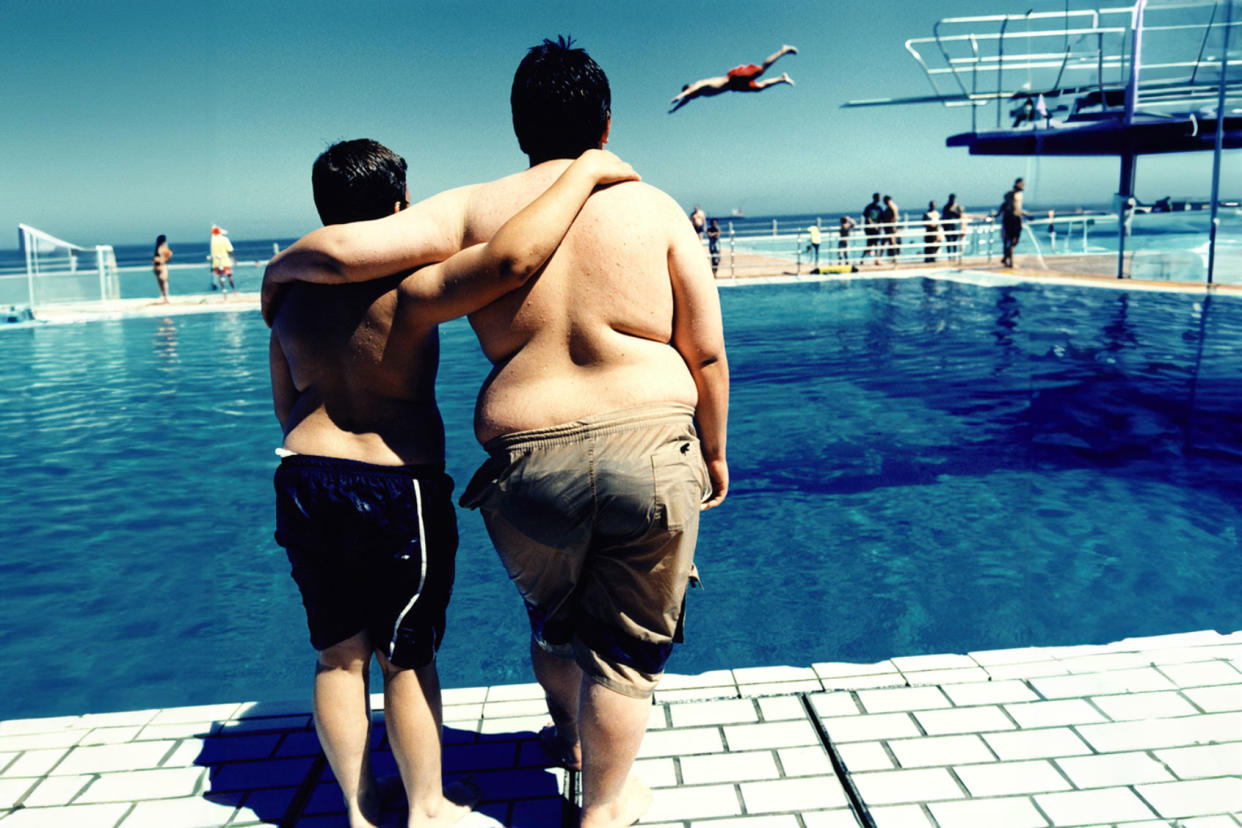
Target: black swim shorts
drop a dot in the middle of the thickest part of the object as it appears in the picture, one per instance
(372, 548)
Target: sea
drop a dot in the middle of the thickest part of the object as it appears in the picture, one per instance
(196, 251)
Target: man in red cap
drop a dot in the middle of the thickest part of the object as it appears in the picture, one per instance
(221, 259)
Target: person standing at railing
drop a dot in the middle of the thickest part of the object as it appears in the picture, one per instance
(814, 243)
(159, 262)
(843, 245)
(892, 233)
(221, 259)
(951, 221)
(932, 234)
(1010, 213)
(713, 244)
(697, 220)
(872, 215)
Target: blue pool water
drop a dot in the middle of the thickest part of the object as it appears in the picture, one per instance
(919, 466)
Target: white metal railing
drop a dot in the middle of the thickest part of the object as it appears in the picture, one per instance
(907, 241)
(90, 284)
(983, 59)
(1160, 245)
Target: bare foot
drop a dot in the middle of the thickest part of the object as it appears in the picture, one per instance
(627, 809)
(785, 77)
(367, 811)
(459, 799)
(567, 754)
(789, 50)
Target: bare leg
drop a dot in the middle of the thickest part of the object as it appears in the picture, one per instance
(561, 679)
(413, 716)
(612, 727)
(343, 722)
(777, 55)
(764, 84)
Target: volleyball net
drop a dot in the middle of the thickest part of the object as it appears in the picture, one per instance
(57, 271)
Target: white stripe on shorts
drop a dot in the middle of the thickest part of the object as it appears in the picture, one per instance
(422, 574)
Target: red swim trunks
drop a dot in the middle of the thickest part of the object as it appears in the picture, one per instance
(744, 76)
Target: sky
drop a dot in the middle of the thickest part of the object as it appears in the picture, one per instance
(123, 120)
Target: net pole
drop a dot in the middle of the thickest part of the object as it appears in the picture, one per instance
(103, 289)
(30, 263)
(1220, 134)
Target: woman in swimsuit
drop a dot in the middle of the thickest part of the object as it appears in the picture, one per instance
(159, 262)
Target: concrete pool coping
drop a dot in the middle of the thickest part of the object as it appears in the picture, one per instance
(1141, 732)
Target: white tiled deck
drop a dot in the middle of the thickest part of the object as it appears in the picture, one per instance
(1143, 732)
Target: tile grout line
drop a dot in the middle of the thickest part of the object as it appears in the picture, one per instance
(838, 765)
(304, 792)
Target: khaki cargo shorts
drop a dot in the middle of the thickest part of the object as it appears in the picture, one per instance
(595, 522)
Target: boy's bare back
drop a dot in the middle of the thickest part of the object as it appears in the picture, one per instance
(365, 388)
(591, 334)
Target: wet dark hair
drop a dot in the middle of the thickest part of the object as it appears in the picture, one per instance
(560, 101)
(874, 196)
(357, 180)
(160, 239)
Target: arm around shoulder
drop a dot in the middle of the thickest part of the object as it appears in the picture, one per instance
(429, 231)
(519, 249)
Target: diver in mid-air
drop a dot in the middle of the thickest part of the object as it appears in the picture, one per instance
(742, 78)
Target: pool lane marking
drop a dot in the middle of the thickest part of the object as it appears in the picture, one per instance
(838, 765)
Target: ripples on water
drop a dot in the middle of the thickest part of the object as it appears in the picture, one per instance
(918, 466)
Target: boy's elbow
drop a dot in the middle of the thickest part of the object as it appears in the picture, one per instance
(514, 270)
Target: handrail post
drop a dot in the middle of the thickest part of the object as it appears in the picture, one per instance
(1220, 133)
(732, 269)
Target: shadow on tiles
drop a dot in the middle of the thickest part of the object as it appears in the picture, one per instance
(277, 774)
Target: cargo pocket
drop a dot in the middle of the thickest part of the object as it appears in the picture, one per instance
(679, 478)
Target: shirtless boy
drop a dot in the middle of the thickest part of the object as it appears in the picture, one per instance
(603, 366)
(362, 502)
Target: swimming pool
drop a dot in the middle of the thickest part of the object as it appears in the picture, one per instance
(919, 466)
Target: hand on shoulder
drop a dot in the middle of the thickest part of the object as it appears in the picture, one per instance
(606, 167)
